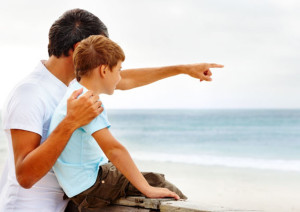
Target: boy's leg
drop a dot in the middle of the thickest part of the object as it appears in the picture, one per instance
(111, 184)
(114, 184)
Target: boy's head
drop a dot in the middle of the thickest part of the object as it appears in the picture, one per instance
(72, 27)
(99, 54)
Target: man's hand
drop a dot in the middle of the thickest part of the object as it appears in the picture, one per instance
(82, 110)
(201, 70)
(157, 192)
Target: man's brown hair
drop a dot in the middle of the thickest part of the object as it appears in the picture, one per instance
(94, 51)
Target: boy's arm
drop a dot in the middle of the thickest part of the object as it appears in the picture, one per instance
(132, 78)
(32, 160)
(120, 157)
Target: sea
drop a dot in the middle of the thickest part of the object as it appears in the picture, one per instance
(244, 138)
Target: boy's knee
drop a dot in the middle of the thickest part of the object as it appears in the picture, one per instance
(158, 180)
(154, 179)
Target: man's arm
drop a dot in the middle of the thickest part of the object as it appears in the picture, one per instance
(120, 157)
(132, 78)
(32, 160)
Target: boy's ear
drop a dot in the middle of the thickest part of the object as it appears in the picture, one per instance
(102, 70)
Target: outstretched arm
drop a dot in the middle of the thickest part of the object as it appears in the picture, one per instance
(120, 157)
(132, 78)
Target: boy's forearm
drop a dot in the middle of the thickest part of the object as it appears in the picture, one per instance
(121, 158)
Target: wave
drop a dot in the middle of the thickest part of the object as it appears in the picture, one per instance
(209, 160)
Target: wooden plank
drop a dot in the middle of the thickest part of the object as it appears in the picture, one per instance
(119, 208)
(141, 202)
(169, 205)
(186, 206)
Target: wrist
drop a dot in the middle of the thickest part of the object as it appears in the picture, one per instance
(69, 124)
(181, 69)
(146, 190)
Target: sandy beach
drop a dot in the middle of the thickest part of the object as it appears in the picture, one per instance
(236, 188)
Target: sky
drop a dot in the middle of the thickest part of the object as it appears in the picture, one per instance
(258, 42)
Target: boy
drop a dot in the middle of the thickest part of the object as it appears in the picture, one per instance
(83, 170)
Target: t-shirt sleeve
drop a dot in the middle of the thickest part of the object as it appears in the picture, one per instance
(25, 110)
(98, 123)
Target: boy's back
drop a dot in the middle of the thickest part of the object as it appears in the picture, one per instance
(77, 167)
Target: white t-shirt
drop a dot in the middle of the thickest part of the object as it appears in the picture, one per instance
(30, 107)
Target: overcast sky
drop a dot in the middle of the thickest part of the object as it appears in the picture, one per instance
(258, 41)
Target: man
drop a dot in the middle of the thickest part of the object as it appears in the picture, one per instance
(28, 183)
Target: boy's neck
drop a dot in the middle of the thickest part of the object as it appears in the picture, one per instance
(92, 85)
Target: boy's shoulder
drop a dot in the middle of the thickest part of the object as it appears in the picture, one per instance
(74, 85)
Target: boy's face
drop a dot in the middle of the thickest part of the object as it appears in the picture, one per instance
(114, 78)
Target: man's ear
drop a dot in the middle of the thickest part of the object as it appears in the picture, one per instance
(75, 45)
(103, 70)
(71, 51)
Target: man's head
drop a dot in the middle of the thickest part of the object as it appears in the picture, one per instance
(72, 27)
(99, 54)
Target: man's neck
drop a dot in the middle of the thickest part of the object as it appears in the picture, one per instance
(62, 68)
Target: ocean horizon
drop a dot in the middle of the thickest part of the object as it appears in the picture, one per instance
(267, 139)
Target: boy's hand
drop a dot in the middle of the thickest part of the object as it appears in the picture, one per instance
(201, 70)
(82, 110)
(156, 192)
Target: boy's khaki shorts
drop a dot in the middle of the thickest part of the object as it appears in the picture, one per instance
(111, 185)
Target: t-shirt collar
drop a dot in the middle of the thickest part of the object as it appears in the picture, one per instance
(76, 85)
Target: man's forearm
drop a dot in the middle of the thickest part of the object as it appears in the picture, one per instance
(132, 78)
(38, 162)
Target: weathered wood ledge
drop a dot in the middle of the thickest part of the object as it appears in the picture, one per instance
(142, 204)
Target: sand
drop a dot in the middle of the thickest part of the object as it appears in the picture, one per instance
(236, 188)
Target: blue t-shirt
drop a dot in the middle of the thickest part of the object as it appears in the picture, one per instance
(77, 167)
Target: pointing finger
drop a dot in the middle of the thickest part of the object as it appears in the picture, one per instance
(214, 65)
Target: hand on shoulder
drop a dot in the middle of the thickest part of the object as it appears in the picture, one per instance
(82, 110)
